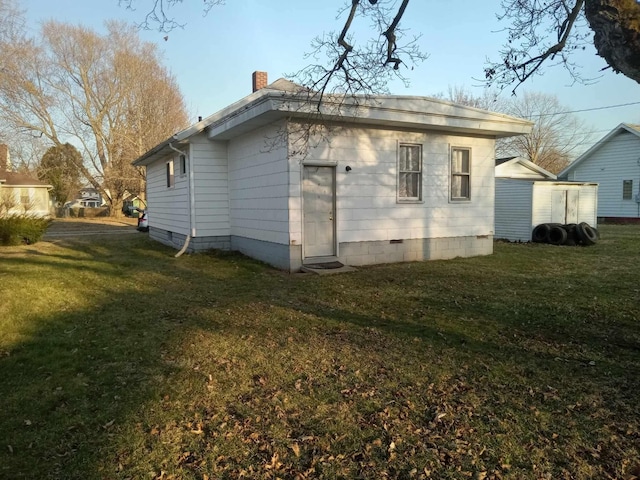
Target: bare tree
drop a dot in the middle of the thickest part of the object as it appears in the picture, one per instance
(487, 100)
(109, 95)
(557, 136)
(543, 32)
(539, 33)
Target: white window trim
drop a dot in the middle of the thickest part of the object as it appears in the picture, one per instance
(453, 199)
(170, 174)
(420, 197)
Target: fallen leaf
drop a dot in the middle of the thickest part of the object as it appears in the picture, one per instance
(296, 449)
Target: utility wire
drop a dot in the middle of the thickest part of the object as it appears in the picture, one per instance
(586, 109)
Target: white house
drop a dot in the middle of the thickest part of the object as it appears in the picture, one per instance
(528, 195)
(396, 178)
(21, 194)
(613, 162)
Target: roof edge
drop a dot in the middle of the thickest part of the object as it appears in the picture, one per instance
(600, 143)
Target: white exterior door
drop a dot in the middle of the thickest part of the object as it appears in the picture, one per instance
(564, 206)
(572, 205)
(318, 197)
(558, 206)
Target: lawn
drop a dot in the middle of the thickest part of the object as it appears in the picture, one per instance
(119, 361)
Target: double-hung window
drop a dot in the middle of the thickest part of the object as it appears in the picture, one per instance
(460, 174)
(409, 173)
(627, 189)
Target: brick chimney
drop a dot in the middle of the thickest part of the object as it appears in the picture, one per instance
(4, 158)
(259, 80)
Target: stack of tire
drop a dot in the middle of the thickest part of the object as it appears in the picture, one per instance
(569, 234)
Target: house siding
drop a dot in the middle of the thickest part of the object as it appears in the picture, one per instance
(210, 180)
(38, 196)
(367, 209)
(168, 206)
(513, 206)
(516, 170)
(609, 165)
(259, 195)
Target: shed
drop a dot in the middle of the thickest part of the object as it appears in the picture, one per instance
(527, 195)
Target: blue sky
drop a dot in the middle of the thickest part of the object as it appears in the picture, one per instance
(213, 56)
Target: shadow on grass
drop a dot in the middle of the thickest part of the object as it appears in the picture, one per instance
(77, 381)
(79, 374)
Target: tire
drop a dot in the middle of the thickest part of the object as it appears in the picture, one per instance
(572, 234)
(587, 235)
(557, 235)
(540, 233)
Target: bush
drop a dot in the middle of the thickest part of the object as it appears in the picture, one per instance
(22, 229)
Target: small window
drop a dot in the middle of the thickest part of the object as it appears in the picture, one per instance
(627, 189)
(183, 164)
(170, 176)
(410, 173)
(25, 198)
(460, 174)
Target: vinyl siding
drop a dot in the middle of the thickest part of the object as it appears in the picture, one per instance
(513, 209)
(38, 196)
(168, 207)
(609, 165)
(516, 170)
(210, 179)
(366, 197)
(259, 186)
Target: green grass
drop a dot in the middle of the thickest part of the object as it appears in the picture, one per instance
(118, 361)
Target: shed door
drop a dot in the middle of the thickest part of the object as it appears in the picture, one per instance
(318, 197)
(564, 206)
(558, 206)
(572, 206)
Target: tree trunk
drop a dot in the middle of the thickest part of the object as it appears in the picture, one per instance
(616, 24)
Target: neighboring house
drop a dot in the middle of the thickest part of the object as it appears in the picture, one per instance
(613, 162)
(131, 204)
(89, 197)
(399, 179)
(19, 193)
(528, 195)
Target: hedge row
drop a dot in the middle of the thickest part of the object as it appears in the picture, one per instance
(22, 229)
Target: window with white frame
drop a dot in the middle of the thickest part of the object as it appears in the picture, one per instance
(460, 174)
(170, 175)
(627, 189)
(409, 173)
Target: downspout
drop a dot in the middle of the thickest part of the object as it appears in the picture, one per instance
(192, 201)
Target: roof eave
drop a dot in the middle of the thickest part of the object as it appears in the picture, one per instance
(268, 105)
